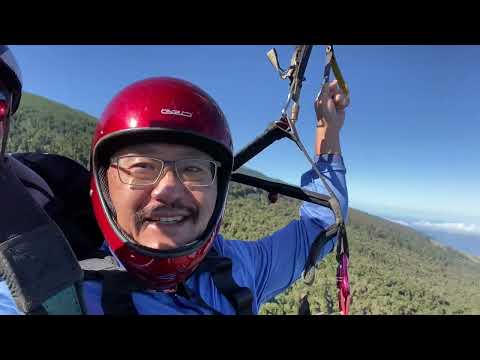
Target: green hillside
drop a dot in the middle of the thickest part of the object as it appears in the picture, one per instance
(394, 270)
(43, 125)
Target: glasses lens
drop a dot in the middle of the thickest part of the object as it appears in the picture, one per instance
(138, 170)
(196, 172)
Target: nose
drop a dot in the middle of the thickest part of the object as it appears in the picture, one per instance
(168, 188)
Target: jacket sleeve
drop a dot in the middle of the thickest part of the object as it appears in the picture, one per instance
(278, 260)
(7, 304)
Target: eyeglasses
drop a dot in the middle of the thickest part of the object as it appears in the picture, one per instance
(143, 170)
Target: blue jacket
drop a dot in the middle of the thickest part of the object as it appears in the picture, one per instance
(267, 266)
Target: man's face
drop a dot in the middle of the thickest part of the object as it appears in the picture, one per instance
(167, 214)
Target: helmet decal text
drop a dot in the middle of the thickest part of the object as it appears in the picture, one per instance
(176, 112)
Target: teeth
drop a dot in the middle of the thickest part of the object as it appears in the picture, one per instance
(170, 220)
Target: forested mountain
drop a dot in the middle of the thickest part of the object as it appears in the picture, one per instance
(394, 269)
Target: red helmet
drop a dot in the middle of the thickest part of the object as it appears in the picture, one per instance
(170, 111)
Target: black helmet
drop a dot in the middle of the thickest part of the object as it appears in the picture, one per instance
(10, 76)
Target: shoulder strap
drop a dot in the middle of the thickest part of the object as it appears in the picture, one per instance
(220, 267)
(184, 291)
(117, 291)
(117, 284)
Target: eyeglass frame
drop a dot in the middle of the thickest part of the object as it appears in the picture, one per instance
(114, 161)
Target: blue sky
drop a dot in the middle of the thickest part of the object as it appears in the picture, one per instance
(410, 140)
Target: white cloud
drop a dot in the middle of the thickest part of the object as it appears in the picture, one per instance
(401, 222)
(450, 227)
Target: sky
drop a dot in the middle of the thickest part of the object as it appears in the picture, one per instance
(410, 139)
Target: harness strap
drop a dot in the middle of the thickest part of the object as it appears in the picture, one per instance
(221, 268)
(184, 291)
(315, 248)
(119, 285)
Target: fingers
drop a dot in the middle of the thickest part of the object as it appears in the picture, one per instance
(341, 100)
(325, 108)
(322, 101)
(333, 92)
(333, 88)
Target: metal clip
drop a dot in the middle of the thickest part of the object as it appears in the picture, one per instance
(331, 64)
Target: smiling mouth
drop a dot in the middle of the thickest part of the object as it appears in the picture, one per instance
(168, 220)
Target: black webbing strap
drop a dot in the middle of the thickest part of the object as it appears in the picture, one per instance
(119, 285)
(220, 267)
(315, 248)
(189, 294)
(275, 131)
(117, 289)
(342, 246)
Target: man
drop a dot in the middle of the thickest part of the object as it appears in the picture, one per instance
(37, 188)
(10, 95)
(161, 161)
